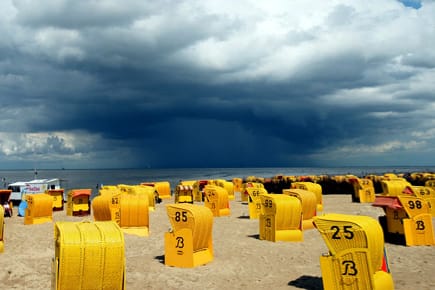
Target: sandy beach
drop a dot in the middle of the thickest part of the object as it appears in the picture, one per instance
(241, 260)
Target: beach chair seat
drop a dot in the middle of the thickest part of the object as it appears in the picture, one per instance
(189, 243)
(79, 202)
(313, 187)
(88, 255)
(309, 205)
(216, 199)
(254, 200)
(183, 194)
(58, 199)
(356, 257)
(2, 228)
(39, 209)
(280, 218)
(406, 217)
(363, 190)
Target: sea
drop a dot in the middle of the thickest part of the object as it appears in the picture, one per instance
(95, 178)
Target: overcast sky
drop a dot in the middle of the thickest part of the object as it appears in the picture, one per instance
(248, 83)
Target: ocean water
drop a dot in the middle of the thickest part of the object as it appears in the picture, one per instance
(91, 178)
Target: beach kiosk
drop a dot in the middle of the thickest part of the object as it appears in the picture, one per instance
(356, 257)
(189, 243)
(79, 202)
(88, 255)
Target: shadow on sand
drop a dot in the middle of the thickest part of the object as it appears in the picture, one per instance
(307, 282)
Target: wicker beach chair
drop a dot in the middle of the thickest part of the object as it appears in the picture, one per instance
(309, 205)
(313, 187)
(79, 202)
(280, 218)
(254, 200)
(216, 199)
(88, 255)
(356, 258)
(189, 243)
(39, 209)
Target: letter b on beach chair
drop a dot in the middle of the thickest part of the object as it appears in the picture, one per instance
(39, 209)
(189, 244)
(356, 258)
(280, 218)
(88, 256)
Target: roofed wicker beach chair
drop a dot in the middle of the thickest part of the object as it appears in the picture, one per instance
(280, 218)
(183, 194)
(58, 199)
(309, 205)
(407, 220)
(79, 202)
(39, 209)
(189, 243)
(356, 257)
(216, 199)
(313, 187)
(88, 255)
(254, 200)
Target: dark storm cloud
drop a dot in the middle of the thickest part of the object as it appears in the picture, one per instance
(215, 84)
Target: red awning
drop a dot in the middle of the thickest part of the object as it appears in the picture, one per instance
(392, 202)
(79, 192)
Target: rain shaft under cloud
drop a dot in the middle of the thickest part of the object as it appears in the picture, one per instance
(216, 83)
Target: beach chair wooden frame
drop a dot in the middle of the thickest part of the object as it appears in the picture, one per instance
(356, 257)
(280, 218)
(407, 218)
(79, 202)
(88, 255)
(189, 243)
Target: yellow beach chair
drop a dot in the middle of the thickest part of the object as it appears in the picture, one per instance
(162, 188)
(313, 187)
(189, 243)
(394, 187)
(245, 195)
(58, 199)
(356, 258)
(309, 205)
(39, 209)
(216, 199)
(183, 194)
(2, 228)
(254, 200)
(79, 202)
(406, 218)
(280, 218)
(88, 255)
(427, 193)
(363, 190)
